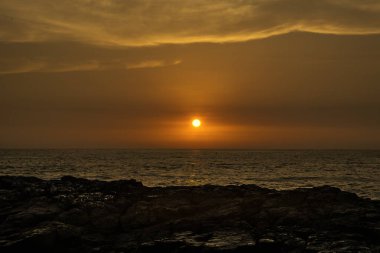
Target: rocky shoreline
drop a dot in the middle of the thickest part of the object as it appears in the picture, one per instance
(79, 215)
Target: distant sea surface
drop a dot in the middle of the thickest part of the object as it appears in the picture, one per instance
(355, 171)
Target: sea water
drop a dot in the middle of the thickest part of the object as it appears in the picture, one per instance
(357, 171)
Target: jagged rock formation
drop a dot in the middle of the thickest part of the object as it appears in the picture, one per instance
(79, 215)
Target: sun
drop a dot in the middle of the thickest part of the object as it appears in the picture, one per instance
(196, 123)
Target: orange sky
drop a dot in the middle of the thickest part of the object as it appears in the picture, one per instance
(255, 81)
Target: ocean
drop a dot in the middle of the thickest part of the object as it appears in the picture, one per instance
(357, 171)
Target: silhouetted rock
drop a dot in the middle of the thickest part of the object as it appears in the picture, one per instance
(80, 215)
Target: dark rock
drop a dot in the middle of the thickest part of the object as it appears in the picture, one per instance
(74, 216)
(80, 215)
(57, 237)
(105, 219)
(32, 215)
(122, 185)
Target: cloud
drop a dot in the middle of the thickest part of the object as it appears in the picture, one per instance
(72, 57)
(44, 66)
(151, 22)
(29, 66)
(152, 64)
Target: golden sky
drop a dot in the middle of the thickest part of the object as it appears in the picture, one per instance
(258, 73)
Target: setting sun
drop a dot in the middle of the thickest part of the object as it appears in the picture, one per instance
(196, 123)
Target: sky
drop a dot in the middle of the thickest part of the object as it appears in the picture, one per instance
(259, 74)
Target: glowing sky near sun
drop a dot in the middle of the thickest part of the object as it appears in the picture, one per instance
(258, 74)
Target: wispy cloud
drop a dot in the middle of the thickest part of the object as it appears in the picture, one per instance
(30, 66)
(152, 64)
(21, 65)
(151, 22)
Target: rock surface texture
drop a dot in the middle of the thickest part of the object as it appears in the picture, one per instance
(79, 215)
